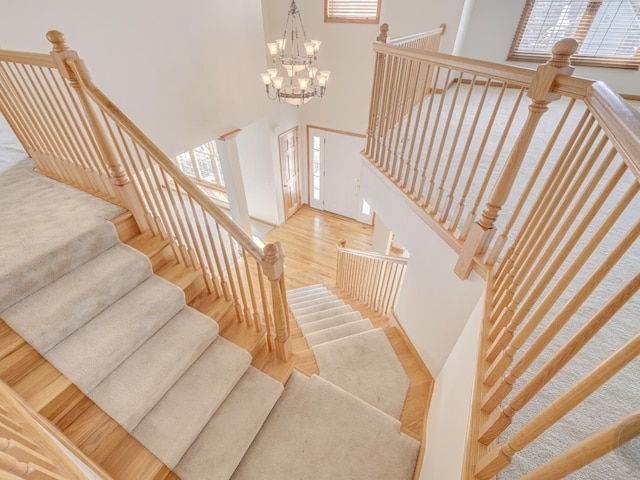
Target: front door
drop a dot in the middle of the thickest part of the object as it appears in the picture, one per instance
(292, 198)
(335, 163)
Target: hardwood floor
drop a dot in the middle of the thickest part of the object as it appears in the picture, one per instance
(309, 239)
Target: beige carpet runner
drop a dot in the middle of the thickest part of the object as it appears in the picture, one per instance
(349, 351)
(125, 337)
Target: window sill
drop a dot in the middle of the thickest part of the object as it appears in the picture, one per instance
(619, 63)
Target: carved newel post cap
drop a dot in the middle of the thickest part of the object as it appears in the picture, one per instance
(342, 243)
(384, 30)
(562, 52)
(57, 40)
(271, 252)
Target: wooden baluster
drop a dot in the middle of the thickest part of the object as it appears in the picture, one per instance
(426, 203)
(376, 98)
(247, 314)
(273, 265)
(418, 172)
(502, 388)
(500, 456)
(492, 258)
(589, 450)
(549, 217)
(24, 454)
(501, 363)
(483, 230)
(488, 128)
(524, 280)
(233, 284)
(252, 295)
(434, 132)
(465, 152)
(74, 69)
(499, 423)
(539, 211)
(268, 319)
(405, 163)
(412, 165)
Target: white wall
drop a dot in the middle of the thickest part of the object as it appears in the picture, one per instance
(261, 180)
(450, 409)
(490, 30)
(433, 304)
(346, 51)
(185, 72)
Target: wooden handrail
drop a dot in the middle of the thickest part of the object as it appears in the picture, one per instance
(619, 120)
(388, 258)
(36, 59)
(517, 76)
(27, 446)
(578, 186)
(77, 135)
(417, 36)
(159, 156)
(372, 278)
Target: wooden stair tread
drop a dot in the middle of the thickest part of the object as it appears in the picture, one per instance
(148, 243)
(417, 401)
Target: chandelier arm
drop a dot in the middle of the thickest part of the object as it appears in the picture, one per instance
(304, 34)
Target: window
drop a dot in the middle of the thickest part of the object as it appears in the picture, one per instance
(203, 165)
(608, 31)
(316, 173)
(352, 11)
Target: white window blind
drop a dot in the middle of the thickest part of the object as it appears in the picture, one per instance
(608, 31)
(363, 11)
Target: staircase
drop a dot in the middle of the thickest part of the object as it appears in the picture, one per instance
(95, 310)
(350, 352)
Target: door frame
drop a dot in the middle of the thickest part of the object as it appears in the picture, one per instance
(297, 160)
(309, 169)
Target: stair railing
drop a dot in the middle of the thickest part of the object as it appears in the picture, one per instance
(372, 278)
(77, 135)
(547, 212)
(28, 448)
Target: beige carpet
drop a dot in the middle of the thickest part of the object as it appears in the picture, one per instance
(350, 353)
(124, 336)
(92, 306)
(318, 432)
(620, 395)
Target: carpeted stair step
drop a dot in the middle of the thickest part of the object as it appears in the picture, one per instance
(226, 438)
(334, 321)
(318, 431)
(312, 297)
(50, 257)
(132, 389)
(77, 297)
(296, 292)
(373, 371)
(97, 348)
(174, 423)
(341, 331)
(313, 302)
(319, 307)
(320, 315)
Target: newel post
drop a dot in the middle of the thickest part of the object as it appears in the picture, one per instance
(483, 230)
(378, 76)
(273, 266)
(73, 68)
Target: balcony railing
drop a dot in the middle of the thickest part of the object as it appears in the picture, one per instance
(532, 177)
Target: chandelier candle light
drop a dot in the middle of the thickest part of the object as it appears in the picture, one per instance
(294, 78)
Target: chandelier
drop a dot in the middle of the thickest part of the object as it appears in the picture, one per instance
(294, 78)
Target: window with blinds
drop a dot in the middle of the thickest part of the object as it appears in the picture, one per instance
(608, 31)
(352, 11)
